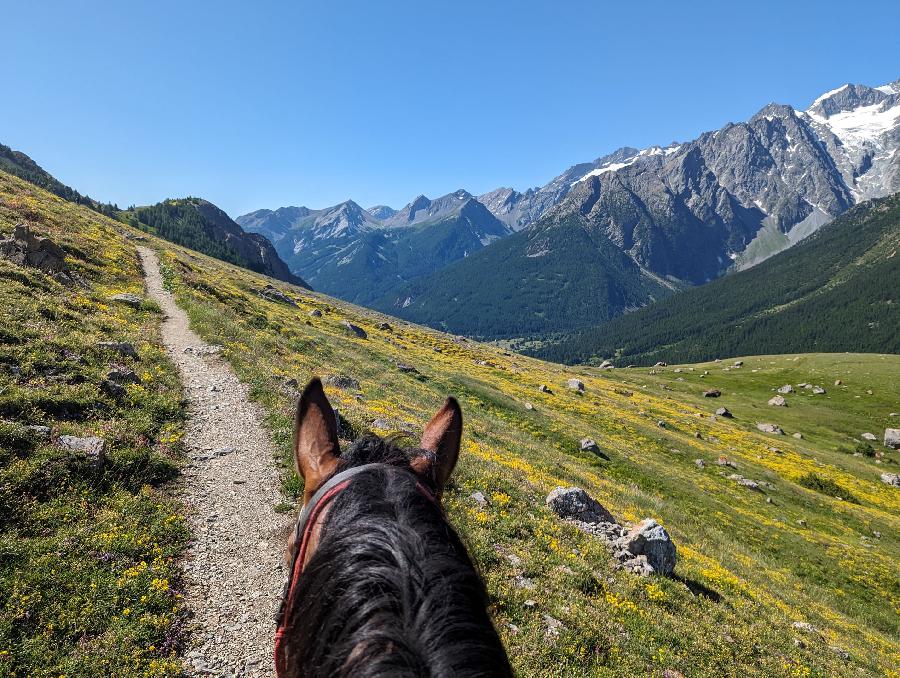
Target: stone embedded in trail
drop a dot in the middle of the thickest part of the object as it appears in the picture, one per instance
(650, 539)
(891, 479)
(723, 412)
(892, 438)
(120, 347)
(787, 388)
(770, 428)
(128, 299)
(92, 447)
(355, 329)
(272, 293)
(575, 384)
(574, 503)
(342, 381)
(712, 393)
(778, 401)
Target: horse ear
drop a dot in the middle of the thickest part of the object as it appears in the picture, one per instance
(316, 447)
(441, 440)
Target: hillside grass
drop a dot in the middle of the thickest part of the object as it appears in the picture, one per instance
(747, 569)
(89, 580)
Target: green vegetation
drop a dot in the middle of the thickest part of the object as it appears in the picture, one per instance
(835, 291)
(825, 486)
(88, 574)
(747, 569)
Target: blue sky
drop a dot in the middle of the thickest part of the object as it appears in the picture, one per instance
(267, 104)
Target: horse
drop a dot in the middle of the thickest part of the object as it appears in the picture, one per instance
(380, 583)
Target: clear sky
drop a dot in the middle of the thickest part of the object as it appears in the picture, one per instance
(264, 104)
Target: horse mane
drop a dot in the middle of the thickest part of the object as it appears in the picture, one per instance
(391, 590)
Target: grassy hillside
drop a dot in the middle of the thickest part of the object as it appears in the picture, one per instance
(835, 291)
(747, 568)
(88, 578)
(75, 594)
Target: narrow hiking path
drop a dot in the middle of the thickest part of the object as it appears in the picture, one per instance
(234, 568)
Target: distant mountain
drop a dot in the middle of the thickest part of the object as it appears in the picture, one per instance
(837, 290)
(382, 211)
(200, 225)
(349, 252)
(684, 215)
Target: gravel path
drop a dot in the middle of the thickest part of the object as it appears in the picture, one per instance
(234, 568)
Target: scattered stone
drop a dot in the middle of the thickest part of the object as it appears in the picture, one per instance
(120, 347)
(543, 388)
(698, 435)
(801, 522)
(523, 582)
(588, 445)
(892, 438)
(818, 390)
(725, 461)
(738, 363)
(712, 393)
(381, 424)
(407, 368)
(112, 389)
(650, 539)
(840, 652)
(223, 451)
(573, 503)
(342, 381)
(868, 391)
(606, 365)
(554, 626)
(128, 298)
(868, 436)
(778, 401)
(806, 627)
(92, 447)
(575, 384)
(798, 435)
(724, 412)
(315, 313)
(672, 673)
(25, 249)
(700, 463)
(770, 428)
(838, 382)
(479, 498)
(384, 327)
(661, 423)
(787, 388)
(661, 364)
(355, 329)
(745, 482)
(530, 603)
(891, 479)
(123, 375)
(529, 406)
(274, 294)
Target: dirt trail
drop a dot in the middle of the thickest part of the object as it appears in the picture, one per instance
(234, 568)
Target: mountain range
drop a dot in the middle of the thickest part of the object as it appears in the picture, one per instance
(607, 236)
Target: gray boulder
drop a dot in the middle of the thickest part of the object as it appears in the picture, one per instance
(818, 390)
(868, 436)
(712, 393)
(589, 445)
(891, 479)
(892, 438)
(355, 329)
(274, 294)
(778, 401)
(342, 381)
(650, 539)
(573, 503)
(787, 388)
(26, 249)
(575, 384)
(770, 428)
(315, 313)
(92, 447)
(121, 347)
(724, 412)
(128, 299)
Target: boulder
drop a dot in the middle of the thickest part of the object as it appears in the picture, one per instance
(112, 389)
(606, 365)
(274, 294)
(798, 435)
(778, 401)
(315, 313)
(650, 539)
(120, 347)
(661, 364)
(818, 390)
(543, 388)
(723, 412)
(712, 393)
(128, 299)
(588, 445)
(384, 327)
(407, 368)
(838, 382)
(787, 388)
(342, 381)
(25, 249)
(92, 447)
(700, 463)
(891, 479)
(575, 384)
(892, 438)
(479, 498)
(123, 375)
(573, 503)
(770, 428)
(868, 436)
(529, 406)
(738, 363)
(355, 329)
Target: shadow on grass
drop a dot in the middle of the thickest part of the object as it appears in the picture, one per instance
(698, 589)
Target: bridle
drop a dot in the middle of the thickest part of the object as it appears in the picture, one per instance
(302, 534)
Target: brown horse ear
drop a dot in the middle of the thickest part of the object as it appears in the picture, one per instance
(316, 447)
(441, 440)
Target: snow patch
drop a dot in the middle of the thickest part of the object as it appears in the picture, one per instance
(828, 94)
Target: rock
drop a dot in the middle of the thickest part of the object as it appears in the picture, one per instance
(384, 327)
(725, 461)
(588, 445)
(120, 347)
(38, 431)
(554, 626)
(840, 652)
(891, 479)
(25, 249)
(700, 463)
(787, 388)
(543, 388)
(806, 627)
(93, 448)
(818, 390)
(530, 603)
(801, 522)
(575, 384)
(315, 313)
(723, 412)
(892, 438)
(355, 329)
(606, 365)
(479, 498)
(712, 393)
(770, 428)
(274, 294)
(123, 375)
(381, 424)
(342, 381)
(523, 582)
(672, 673)
(798, 435)
(745, 482)
(650, 539)
(868, 436)
(661, 364)
(407, 368)
(661, 423)
(778, 401)
(112, 389)
(838, 382)
(738, 363)
(128, 298)
(698, 435)
(223, 451)
(573, 503)
(529, 406)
